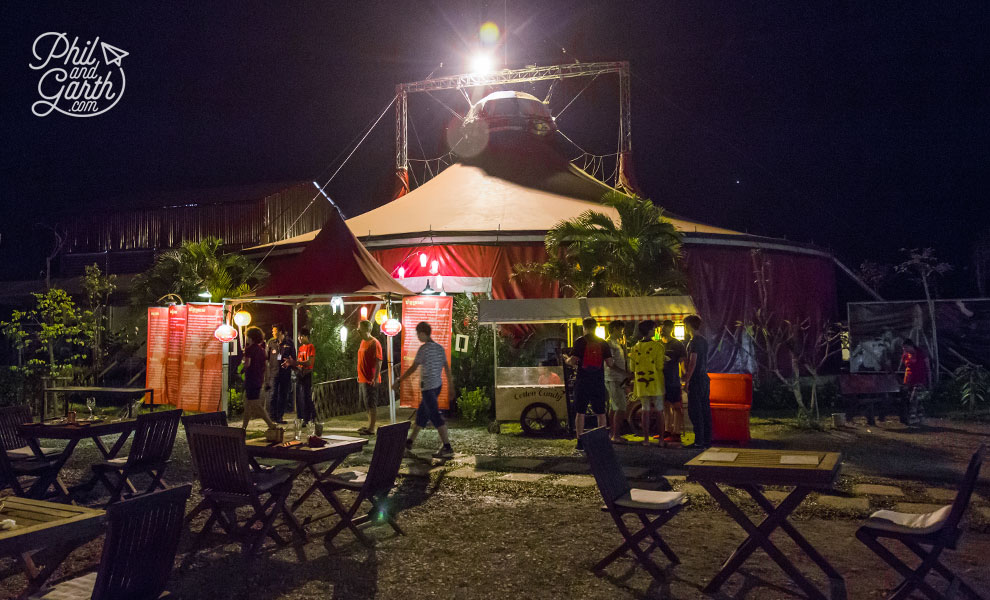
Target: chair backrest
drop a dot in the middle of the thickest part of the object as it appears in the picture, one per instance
(221, 459)
(965, 491)
(154, 437)
(139, 549)
(8, 478)
(10, 418)
(218, 419)
(612, 482)
(390, 446)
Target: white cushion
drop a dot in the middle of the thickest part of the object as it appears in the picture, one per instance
(651, 500)
(80, 588)
(890, 520)
(350, 476)
(26, 452)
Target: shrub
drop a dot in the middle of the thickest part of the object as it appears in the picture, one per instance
(473, 405)
(235, 402)
(974, 385)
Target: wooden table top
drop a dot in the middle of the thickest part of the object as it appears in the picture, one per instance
(99, 390)
(75, 431)
(767, 467)
(40, 524)
(260, 448)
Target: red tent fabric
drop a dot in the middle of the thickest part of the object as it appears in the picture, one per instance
(334, 263)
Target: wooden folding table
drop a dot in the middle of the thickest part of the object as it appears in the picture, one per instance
(749, 469)
(98, 392)
(40, 525)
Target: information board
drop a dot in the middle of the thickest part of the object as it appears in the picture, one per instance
(438, 312)
(184, 359)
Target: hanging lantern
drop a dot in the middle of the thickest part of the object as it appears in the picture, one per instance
(392, 327)
(225, 333)
(402, 272)
(364, 313)
(435, 267)
(440, 283)
(343, 335)
(381, 316)
(242, 318)
(422, 259)
(336, 304)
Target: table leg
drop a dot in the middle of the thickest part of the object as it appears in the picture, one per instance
(319, 478)
(759, 536)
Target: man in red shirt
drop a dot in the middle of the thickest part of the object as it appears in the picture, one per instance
(304, 361)
(369, 373)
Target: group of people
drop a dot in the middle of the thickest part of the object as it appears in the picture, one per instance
(268, 368)
(649, 371)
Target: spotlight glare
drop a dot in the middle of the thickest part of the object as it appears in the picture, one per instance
(482, 63)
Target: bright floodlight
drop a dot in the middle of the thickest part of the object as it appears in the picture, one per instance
(482, 63)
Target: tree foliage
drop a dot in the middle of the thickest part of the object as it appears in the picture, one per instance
(637, 256)
(195, 268)
(98, 288)
(922, 267)
(52, 337)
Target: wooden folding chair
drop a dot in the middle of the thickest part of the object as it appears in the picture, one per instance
(228, 483)
(216, 419)
(938, 530)
(621, 500)
(16, 446)
(43, 470)
(373, 486)
(138, 552)
(150, 454)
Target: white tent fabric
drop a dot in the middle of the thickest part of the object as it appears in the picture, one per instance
(564, 310)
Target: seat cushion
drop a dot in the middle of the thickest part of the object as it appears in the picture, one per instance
(924, 523)
(651, 500)
(26, 452)
(266, 480)
(80, 588)
(348, 479)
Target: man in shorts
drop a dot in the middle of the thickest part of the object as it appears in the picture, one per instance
(590, 356)
(431, 361)
(673, 404)
(369, 374)
(615, 377)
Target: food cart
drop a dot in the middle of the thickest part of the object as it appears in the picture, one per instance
(538, 397)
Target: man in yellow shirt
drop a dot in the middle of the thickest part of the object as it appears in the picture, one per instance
(646, 363)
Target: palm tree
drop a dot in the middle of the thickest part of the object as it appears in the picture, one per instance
(196, 268)
(637, 256)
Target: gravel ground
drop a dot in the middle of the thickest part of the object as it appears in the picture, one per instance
(490, 538)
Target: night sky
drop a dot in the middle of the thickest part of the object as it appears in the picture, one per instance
(861, 127)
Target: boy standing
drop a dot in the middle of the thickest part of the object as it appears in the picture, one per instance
(672, 401)
(369, 374)
(591, 355)
(696, 383)
(431, 359)
(306, 359)
(646, 360)
(616, 376)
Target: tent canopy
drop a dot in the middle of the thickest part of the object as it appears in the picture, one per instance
(566, 310)
(335, 263)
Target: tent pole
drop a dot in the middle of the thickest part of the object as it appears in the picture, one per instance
(295, 340)
(391, 368)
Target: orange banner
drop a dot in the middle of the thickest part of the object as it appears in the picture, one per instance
(184, 359)
(437, 311)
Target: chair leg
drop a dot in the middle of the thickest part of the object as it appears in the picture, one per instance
(943, 570)
(644, 559)
(346, 518)
(378, 508)
(657, 539)
(911, 580)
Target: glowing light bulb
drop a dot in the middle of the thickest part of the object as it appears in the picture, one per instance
(600, 331)
(482, 63)
(364, 313)
(402, 272)
(242, 318)
(435, 267)
(343, 335)
(439, 282)
(679, 332)
(422, 259)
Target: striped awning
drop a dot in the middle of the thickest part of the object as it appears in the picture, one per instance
(566, 310)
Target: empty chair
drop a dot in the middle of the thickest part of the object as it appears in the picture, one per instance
(11, 440)
(938, 530)
(16, 473)
(138, 553)
(221, 461)
(218, 419)
(150, 454)
(621, 500)
(373, 486)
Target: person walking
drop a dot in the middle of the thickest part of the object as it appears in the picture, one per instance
(696, 383)
(285, 352)
(646, 360)
(369, 374)
(304, 362)
(616, 376)
(917, 378)
(431, 361)
(255, 366)
(590, 357)
(673, 405)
